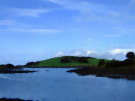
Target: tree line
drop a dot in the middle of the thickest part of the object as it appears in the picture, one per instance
(130, 61)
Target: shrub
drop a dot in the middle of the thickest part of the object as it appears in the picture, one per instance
(10, 66)
(101, 63)
(130, 55)
(82, 60)
(113, 64)
(31, 63)
(65, 60)
(73, 59)
(117, 64)
(128, 62)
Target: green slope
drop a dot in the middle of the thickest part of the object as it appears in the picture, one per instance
(56, 63)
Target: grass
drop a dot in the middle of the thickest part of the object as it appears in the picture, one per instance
(56, 62)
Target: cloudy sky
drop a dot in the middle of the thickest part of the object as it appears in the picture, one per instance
(32, 30)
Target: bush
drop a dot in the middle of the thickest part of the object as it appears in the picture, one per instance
(117, 64)
(101, 63)
(10, 66)
(7, 66)
(128, 62)
(65, 60)
(130, 55)
(113, 64)
(73, 59)
(82, 60)
(31, 63)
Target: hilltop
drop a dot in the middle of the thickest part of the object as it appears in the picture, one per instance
(66, 61)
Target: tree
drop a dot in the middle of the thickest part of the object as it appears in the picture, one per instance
(113, 64)
(130, 55)
(32, 63)
(65, 60)
(83, 59)
(10, 66)
(101, 62)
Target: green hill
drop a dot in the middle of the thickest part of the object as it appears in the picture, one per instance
(56, 62)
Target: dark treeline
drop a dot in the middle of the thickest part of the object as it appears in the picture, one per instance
(106, 72)
(74, 59)
(6, 99)
(112, 69)
(31, 63)
(101, 63)
(116, 64)
(7, 66)
(130, 61)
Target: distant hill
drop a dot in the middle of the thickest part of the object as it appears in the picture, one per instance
(71, 61)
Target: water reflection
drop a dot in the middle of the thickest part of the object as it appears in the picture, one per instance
(58, 85)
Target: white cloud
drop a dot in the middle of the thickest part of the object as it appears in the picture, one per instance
(60, 53)
(89, 11)
(76, 53)
(97, 12)
(118, 20)
(44, 31)
(124, 51)
(116, 51)
(27, 11)
(118, 54)
(89, 52)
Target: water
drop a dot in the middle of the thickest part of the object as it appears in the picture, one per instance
(58, 85)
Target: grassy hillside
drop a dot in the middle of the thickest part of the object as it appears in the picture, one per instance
(57, 62)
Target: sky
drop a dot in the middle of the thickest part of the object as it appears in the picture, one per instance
(33, 30)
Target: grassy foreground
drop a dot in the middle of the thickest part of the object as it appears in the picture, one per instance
(56, 62)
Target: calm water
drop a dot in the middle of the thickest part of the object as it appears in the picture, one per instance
(58, 85)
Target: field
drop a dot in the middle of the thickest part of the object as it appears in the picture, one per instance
(57, 62)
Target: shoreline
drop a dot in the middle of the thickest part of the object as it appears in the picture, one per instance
(13, 99)
(58, 67)
(11, 71)
(85, 70)
(106, 72)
